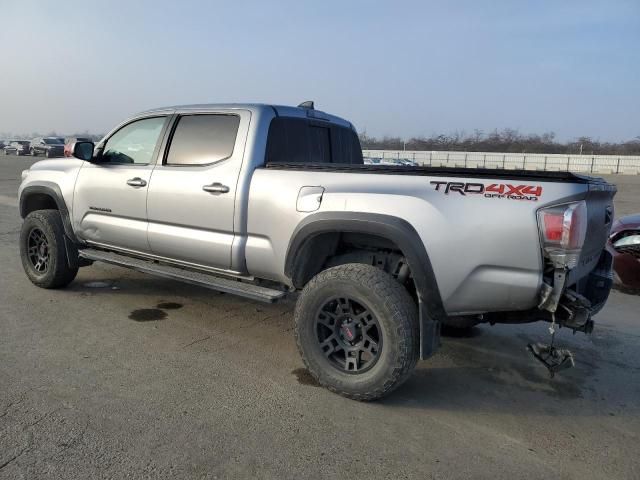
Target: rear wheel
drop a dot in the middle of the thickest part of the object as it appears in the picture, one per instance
(357, 331)
(43, 252)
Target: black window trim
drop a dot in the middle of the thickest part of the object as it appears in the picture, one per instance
(154, 156)
(174, 126)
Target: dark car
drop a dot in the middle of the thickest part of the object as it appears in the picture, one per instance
(17, 147)
(47, 146)
(68, 144)
(624, 245)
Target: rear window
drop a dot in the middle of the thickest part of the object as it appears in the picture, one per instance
(203, 139)
(299, 140)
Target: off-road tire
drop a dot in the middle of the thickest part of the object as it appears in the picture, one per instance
(58, 274)
(396, 314)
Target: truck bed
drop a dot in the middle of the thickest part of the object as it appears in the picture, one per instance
(565, 177)
(485, 250)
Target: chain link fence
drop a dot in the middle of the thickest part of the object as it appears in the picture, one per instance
(514, 161)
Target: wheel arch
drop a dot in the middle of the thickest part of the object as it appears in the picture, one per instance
(304, 255)
(43, 196)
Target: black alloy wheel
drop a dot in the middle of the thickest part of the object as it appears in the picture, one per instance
(348, 334)
(38, 250)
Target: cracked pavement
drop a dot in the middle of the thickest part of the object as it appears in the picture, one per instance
(200, 385)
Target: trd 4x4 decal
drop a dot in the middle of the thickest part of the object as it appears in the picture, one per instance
(494, 190)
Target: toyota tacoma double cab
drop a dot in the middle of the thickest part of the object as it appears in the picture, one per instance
(266, 201)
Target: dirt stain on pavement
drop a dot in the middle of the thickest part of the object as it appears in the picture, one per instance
(304, 377)
(148, 315)
(169, 305)
(97, 284)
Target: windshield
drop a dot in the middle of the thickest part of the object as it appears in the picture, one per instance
(23, 143)
(52, 141)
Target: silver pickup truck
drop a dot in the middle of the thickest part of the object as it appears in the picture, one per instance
(264, 201)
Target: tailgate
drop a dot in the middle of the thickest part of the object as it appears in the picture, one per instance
(600, 213)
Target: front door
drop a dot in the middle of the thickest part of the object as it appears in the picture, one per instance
(110, 199)
(193, 190)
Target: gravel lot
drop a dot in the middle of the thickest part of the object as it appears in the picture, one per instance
(140, 377)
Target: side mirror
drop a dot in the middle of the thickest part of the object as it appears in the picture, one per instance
(83, 150)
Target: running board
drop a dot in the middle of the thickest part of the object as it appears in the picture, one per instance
(235, 287)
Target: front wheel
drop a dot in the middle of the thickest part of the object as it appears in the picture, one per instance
(43, 252)
(357, 331)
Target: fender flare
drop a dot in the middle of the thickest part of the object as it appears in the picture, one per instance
(397, 230)
(52, 190)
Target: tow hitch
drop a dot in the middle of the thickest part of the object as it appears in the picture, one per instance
(555, 359)
(574, 312)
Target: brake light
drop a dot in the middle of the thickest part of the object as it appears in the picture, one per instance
(563, 229)
(553, 226)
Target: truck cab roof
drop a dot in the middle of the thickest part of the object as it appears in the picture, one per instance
(278, 110)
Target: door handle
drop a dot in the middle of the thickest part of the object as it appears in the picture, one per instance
(136, 182)
(216, 188)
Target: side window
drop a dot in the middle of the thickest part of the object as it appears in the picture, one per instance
(319, 144)
(287, 141)
(134, 143)
(297, 140)
(346, 146)
(203, 139)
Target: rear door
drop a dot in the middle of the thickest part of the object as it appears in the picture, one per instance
(110, 199)
(193, 190)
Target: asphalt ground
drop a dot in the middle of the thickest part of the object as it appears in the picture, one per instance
(141, 377)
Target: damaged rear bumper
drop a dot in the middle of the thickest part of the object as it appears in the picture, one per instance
(572, 305)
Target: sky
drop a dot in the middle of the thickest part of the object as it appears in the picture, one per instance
(401, 68)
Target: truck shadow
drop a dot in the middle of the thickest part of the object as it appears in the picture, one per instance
(495, 373)
(485, 369)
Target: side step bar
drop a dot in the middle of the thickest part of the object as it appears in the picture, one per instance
(235, 287)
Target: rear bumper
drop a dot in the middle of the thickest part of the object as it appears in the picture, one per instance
(577, 303)
(55, 152)
(596, 286)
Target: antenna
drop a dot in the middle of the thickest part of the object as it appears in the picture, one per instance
(308, 104)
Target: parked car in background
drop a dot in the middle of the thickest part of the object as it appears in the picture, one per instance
(399, 162)
(17, 147)
(624, 245)
(48, 146)
(3, 143)
(68, 144)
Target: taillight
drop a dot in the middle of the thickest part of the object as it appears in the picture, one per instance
(563, 229)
